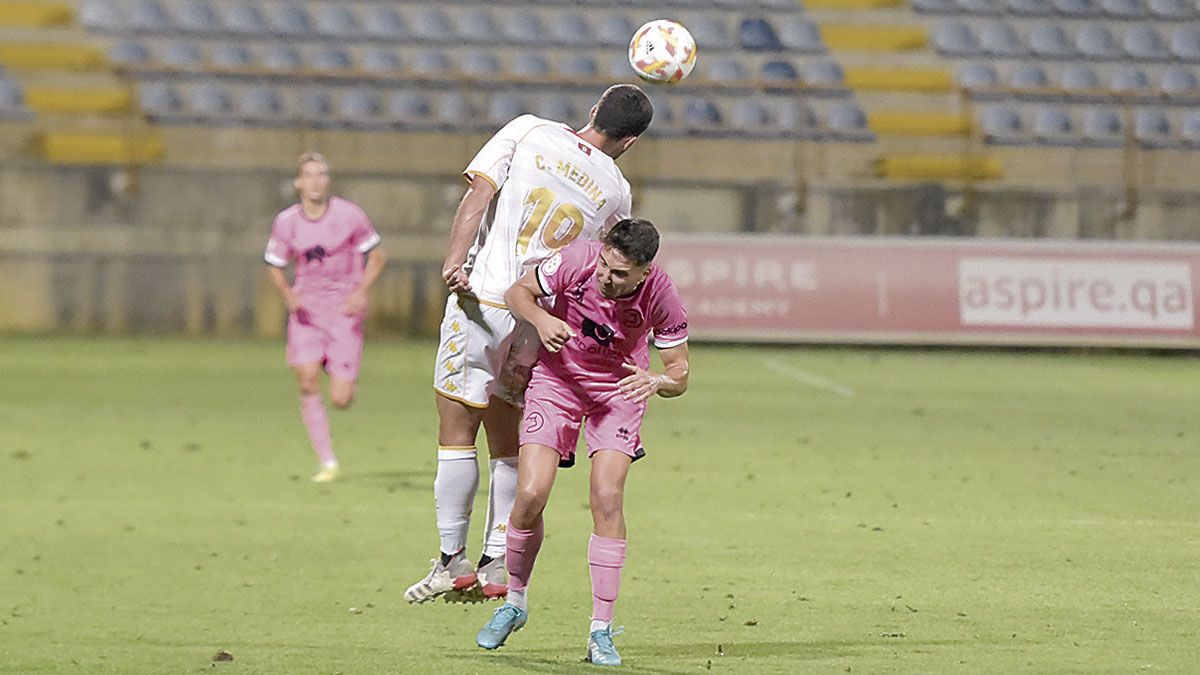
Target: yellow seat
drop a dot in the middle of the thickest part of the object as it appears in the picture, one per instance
(935, 80)
(86, 148)
(50, 56)
(34, 14)
(108, 100)
(909, 123)
(938, 167)
(859, 38)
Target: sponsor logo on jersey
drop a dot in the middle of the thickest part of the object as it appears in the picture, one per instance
(316, 253)
(601, 334)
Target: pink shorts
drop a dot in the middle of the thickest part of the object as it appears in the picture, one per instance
(328, 337)
(555, 410)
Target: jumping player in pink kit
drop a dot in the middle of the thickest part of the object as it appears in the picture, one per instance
(327, 239)
(605, 298)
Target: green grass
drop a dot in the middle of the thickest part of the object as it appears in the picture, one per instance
(961, 512)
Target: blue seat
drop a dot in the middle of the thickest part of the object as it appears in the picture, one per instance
(431, 24)
(555, 107)
(701, 114)
(847, 122)
(1001, 125)
(978, 76)
(197, 16)
(1031, 7)
(955, 39)
(182, 55)
(799, 34)
(711, 31)
(260, 103)
(1171, 9)
(570, 29)
(476, 24)
(794, 118)
(314, 105)
(1152, 128)
(1049, 41)
(981, 7)
(725, 70)
(999, 38)
(1102, 127)
(290, 20)
(211, 101)
(1052, 126)
(479, 64)
(579, 65)
(101, 15)
(615, 31)
(280, 57)
(1129, 80)
(409, 107)
(1123, 9)
(358, 106)
(824, 74)
(1144, 43)
(244, 18)
(505, 107)
(530, 65)
(431, 63)
(935, 6)
(1077, 9)
(1079, 77)
(1028, 76)
(336, 21)
(384, 23)
(382, 61)
(523, 28)
(1189, 128)
(332, 59)
(454, 110)
(1177, 82)
(229, 55)
(148, 16)
(1095, 41)
(757, 34)
(128, 53)
(1185, 43)
(749, 116)
(159, 99)
(616, 66)
(779, 72)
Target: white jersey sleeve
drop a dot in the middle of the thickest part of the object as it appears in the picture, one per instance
(495, 158)
(624, 206)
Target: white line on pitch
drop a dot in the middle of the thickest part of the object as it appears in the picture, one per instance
(781, 368)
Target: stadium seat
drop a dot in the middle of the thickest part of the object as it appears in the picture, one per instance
(431, 63)
(230, 55)
(480, 64)
(616, 66)
(615, 31)
(261, 104)
(382, 60)
(1102, 127)
(978, 76)
(211, 101)
(749, 116)
(799, 34)
(1128, 80)
(197, 16)
(335, 21)
(1123, 9)
(1185, 43)
(955, 39)
(824, 74)
(430, 24)
(128, 53)
(1078, 77)
(1189, 128)
(281, 57)
(701, 114)
(182, 55)
(148, 16)
(795, 118)
(1152, 128)
(522, 27)
(999, 38)
(1001, 125)
(1171, 9)
(579, 65)
(756, 34)
(1179, 82)
(160, 99)
(1049, 41)
(332, 59)
(289, 20)
(101, 16)
(664, 114)
(358, 106)
(1052, 126)
(476, 24)
(711, 31)
(454, 110)
(504, 107)
(1028, 76)
(725, 70)
(846, 121)
(409, 107)
(314, 105)
(1077, 9)
(244, 18)
(981, 7)
(384, 23)
(569, 28)
(1031, 7)
(779, 72)
(555, 107)
(530, 65)
(935, 6)
(1095, 42)
(1143, 42)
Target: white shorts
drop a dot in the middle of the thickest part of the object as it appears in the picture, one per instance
(483, 351)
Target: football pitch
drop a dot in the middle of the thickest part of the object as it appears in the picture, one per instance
(800, 510)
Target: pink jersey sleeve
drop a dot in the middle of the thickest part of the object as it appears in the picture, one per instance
(495, 157)
(365, 236)
(565, 268)
(670, 323)
(279, 247)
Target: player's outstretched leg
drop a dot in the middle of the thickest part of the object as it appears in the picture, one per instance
(506, 621)
(453, 574)
(600, 649)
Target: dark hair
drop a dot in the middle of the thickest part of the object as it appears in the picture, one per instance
(623, 111)
(635, 238)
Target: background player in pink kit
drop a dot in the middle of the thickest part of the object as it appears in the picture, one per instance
(606, 297)
(326, 238)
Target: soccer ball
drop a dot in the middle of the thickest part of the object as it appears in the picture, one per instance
(662, 52)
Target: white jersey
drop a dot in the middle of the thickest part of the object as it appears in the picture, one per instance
(552, 187)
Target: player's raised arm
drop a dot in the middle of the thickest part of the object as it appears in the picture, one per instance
(521, 299)
(464, 230)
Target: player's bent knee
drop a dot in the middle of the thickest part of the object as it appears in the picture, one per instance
(341, 401)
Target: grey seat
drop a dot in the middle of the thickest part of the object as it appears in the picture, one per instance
(1143, 42)
(779, 72)
(1095, 41)
(148, 16)
(828, 74)
(431, 24)
(570, 28)
(1177, 82)
(982, 7)
(664, 113)
(522, 27)
(978, 76)
(182, 55)
(847, 122)
(1028, 76)
(336, 21)
(555, 107)
(758, 34)
(158, 99)
(530, 65)
(244, 18)
(260, 103)
(431, 63)
(1078, 77)
(1102, 127)
(314, 105)
(282, 58)
(999, 38)
(1128, 80)
(615, 31)
(505, 107)
(1189, 128)
(359, 106)
(955, 39)
(476, 24)
(579, 65)
(381, 61)
(1077, 9)
(197, 16)
(1171, 9)
(454, 110)
(799, 34)
(384, 23)
(1049, 41)
(229, 55)
(749, 116)
(725, 70)
(1152, 128)
(1001, 125)
(1052, 126)
(480, 64)
(209, 100)
(409, 107)
(711, 31)
(101, 15)
(795, 118)
(1185, 43)
(1031, 7)
(129, 53)
(289, 20)
(1123, 9)
(332, 59)
(701, 114)
(935, 6)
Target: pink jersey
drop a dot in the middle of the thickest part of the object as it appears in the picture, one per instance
(608, 331)
(328, 252)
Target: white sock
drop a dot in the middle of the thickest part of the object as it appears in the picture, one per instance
(517, 599)
(454, 493)
(502, 492)
(597, 625)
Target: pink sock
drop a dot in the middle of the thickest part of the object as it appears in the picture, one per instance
(606, 557)
(520, 551)
(312, 410)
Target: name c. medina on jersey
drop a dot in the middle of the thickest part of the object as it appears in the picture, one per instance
(573, 174)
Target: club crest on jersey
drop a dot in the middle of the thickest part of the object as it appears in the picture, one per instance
(601, 334)
(316, 253)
